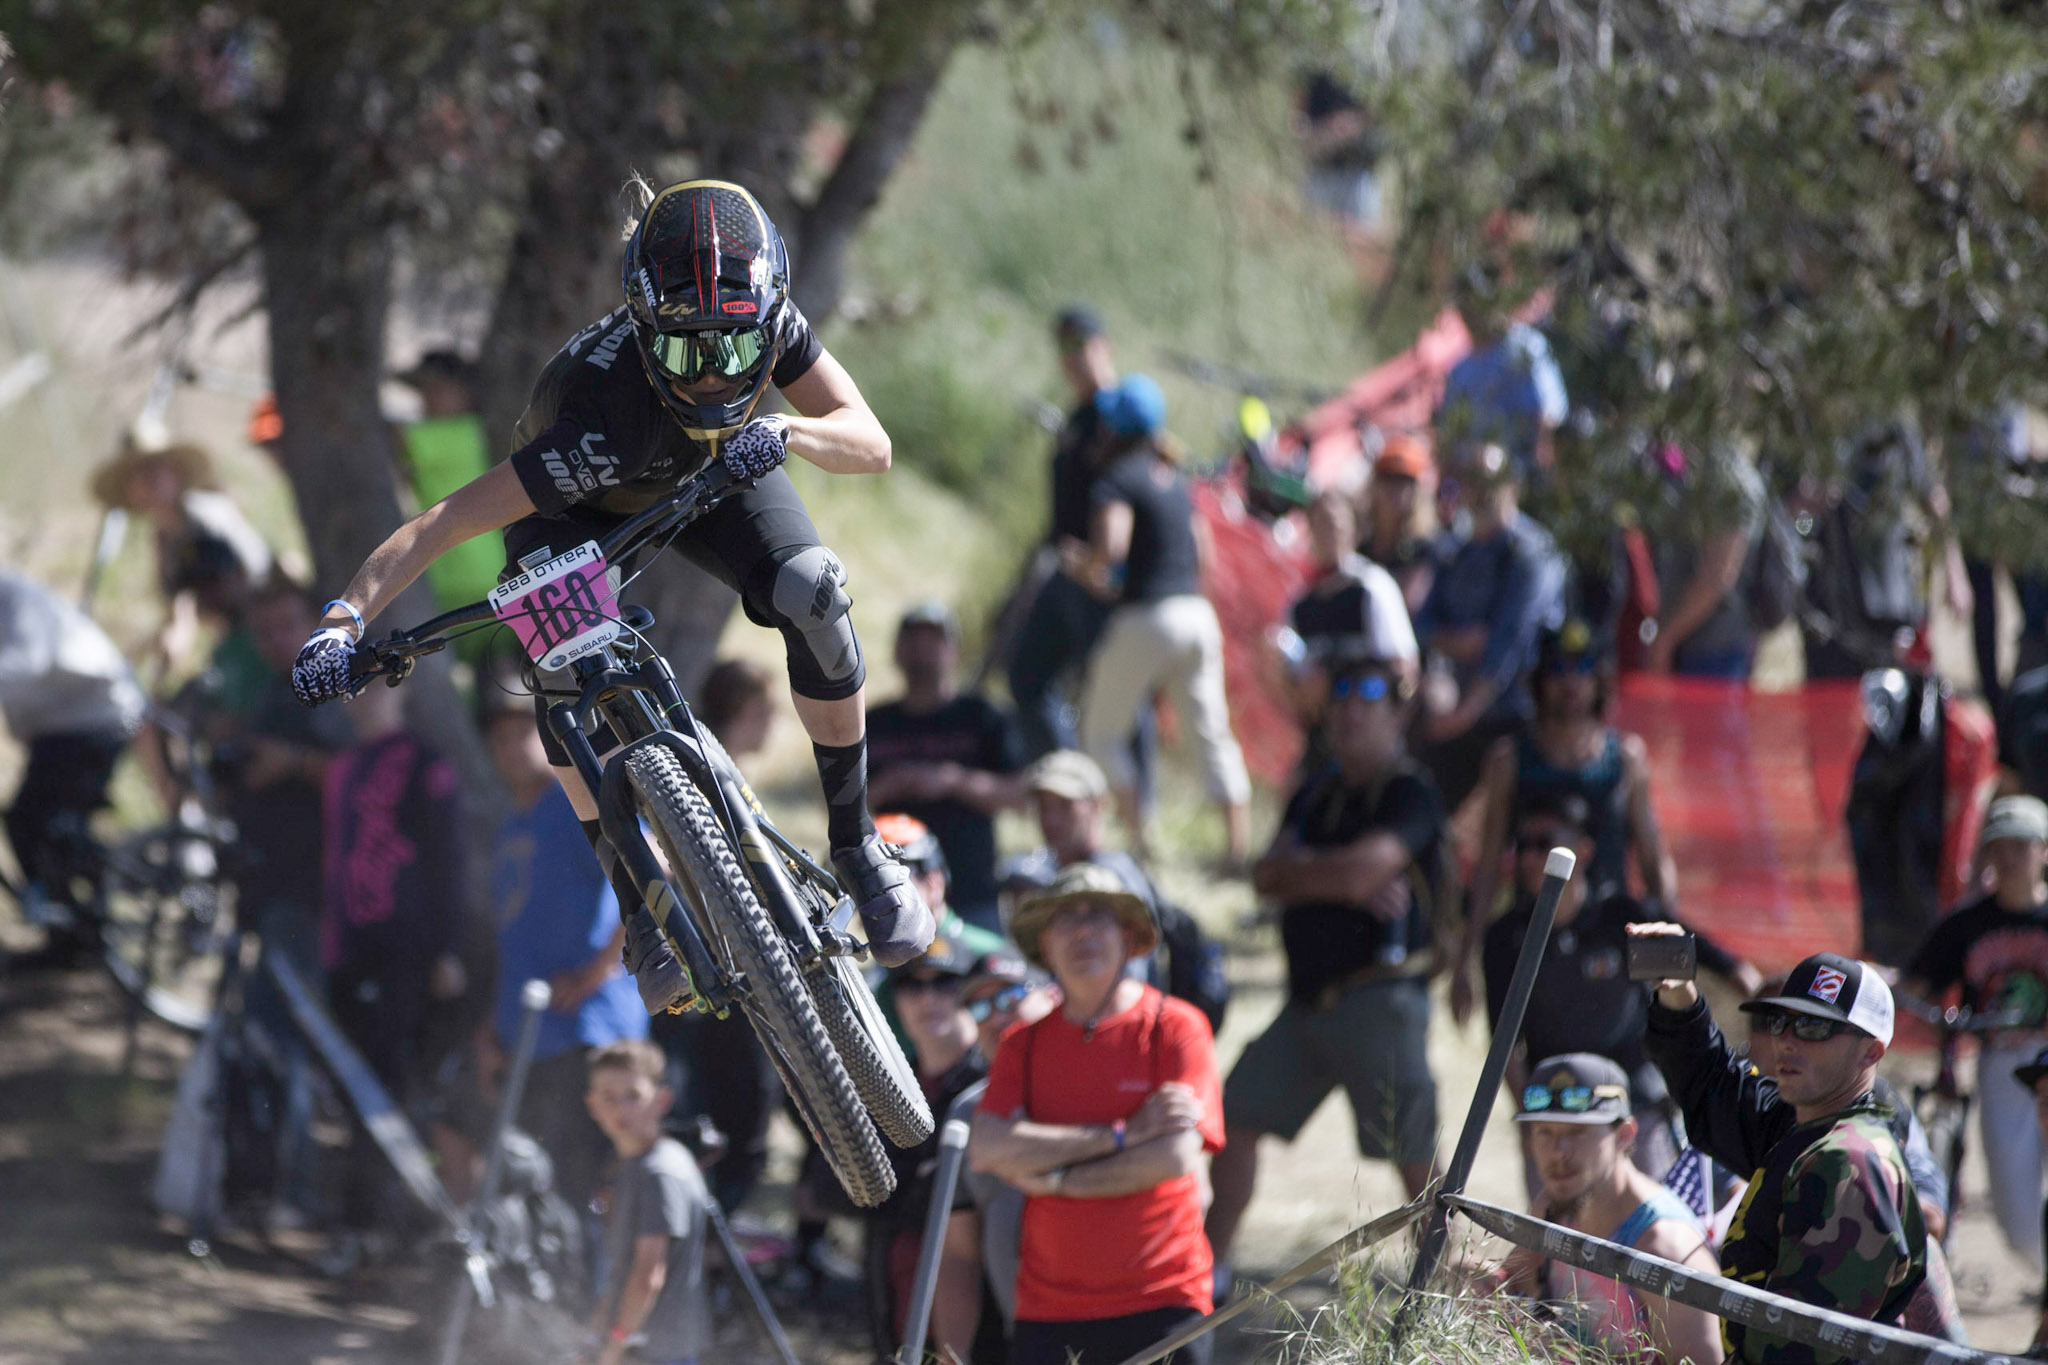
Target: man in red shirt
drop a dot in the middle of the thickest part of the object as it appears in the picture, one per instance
(1101, 1113)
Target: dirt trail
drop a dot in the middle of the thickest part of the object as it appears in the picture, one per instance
(87, 1275)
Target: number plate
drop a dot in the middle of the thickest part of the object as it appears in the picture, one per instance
(564, 608)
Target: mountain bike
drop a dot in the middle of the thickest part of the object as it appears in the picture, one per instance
(153, 906)
(756, 922)
(1942, 1104)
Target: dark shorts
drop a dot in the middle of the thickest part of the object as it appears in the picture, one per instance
(1106, 1341)
(1372, 1041)
(741, 543)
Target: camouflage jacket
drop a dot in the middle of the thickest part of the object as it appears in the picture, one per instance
(1830, 1216)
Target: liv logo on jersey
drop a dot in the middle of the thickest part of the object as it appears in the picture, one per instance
(1827, 984)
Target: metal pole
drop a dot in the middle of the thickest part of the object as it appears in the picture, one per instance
(1557, 870)
(952, 1150)
(737, 1258)
(475, 1286)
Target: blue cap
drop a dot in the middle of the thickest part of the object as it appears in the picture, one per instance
(1134, 407)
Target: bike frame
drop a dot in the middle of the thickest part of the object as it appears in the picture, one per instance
(632, 688)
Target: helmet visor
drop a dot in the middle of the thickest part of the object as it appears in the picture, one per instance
(696, 355)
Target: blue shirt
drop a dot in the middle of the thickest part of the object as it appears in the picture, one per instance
(555, 912)
(1513, 584)
(1505, 394)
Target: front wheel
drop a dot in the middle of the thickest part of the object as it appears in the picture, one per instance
(873, 1057)
(729, 915)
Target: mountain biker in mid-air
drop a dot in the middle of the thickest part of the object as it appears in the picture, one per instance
(708, 316)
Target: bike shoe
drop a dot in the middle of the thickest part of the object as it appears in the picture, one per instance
(899, 924)
(651, 958)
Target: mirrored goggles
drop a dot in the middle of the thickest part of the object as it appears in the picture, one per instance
(1569, 1099)
(691, 356)
(1364, 686)
(1008, 998)
(1807, 1028)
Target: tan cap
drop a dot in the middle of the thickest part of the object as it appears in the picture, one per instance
(1069, 773)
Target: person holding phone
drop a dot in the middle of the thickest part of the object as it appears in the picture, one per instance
(1830, 1217)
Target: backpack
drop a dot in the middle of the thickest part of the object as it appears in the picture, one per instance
(1775, 577)
(1194, 963)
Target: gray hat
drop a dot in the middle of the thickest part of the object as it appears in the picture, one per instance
(1577, 1087)
(931, 613)
(2016, 817)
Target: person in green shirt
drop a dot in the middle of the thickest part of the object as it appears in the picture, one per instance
(440, 453)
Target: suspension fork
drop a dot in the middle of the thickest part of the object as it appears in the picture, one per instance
(619, 821)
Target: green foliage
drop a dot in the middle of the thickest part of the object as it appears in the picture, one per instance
(1072, 170)
(1768, 227)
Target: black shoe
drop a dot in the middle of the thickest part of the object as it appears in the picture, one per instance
(899, 924)
(664, 983)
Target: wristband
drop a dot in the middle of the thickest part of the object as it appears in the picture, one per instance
(1116, 1130)
(1056, 1177)
(619, 1335)
(361, 628)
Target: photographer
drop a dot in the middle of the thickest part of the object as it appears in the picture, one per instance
(1830, 1217)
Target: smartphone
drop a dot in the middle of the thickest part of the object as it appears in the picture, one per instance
(1662, 957)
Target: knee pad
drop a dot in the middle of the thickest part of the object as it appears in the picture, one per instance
(803, 595)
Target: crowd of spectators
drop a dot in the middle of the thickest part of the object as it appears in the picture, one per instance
(1455, 690)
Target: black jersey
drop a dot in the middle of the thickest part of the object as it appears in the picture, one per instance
(596, 434)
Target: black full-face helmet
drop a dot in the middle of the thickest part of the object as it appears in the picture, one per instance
(705, 275)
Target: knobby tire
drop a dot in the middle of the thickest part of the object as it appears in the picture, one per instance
(874, 1059)
(776, 1002)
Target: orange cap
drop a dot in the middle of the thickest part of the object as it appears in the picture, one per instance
(265, 425)
(1404, 456)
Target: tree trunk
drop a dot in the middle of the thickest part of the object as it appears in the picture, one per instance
(326, 278)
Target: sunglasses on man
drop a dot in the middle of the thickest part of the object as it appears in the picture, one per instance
(1002, 1001)
(949, 984)
(1364, 686)
(1568, 1099)
(1807, 1028)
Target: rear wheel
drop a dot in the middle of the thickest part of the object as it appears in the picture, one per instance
(736, 928)
(163, 924)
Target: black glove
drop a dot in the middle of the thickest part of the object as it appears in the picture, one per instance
(757, 448)
(321, 672)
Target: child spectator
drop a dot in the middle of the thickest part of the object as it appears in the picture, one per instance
(391, 931)
(558, 922)
(738, 706)
(657, 1214)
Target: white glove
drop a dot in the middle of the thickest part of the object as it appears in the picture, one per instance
(321, 672)
(757, 448)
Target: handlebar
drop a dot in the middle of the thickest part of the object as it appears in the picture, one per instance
(393, 656)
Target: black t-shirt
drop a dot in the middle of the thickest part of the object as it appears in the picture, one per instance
(1327, 941)
(905, 1209)
(1583, 1000)
(1163, 561)
(2000, 958)
(970, 731)
(595, 433)
(1073, 473)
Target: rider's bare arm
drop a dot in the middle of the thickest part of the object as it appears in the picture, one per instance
(491, 500)
(833, 427)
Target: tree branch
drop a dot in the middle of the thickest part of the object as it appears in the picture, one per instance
(128, 87)
(887, 126)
